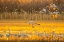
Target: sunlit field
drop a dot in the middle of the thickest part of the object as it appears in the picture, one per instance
(31, 21)
(40, 33)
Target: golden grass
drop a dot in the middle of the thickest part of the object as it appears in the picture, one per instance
(48, 26)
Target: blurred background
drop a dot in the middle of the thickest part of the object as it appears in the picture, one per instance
(32, 9)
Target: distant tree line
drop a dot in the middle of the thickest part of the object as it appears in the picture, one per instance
(27, 5)
(18, 5)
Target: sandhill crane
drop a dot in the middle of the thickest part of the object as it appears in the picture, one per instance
(23, 35)
(32, 23)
